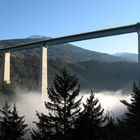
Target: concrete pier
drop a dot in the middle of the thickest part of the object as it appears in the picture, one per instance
(6, 68)
(138, 58)
(43, 72)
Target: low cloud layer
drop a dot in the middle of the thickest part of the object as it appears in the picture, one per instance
(29, 102)
(110, 101)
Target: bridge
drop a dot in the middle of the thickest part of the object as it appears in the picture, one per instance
(135, 28)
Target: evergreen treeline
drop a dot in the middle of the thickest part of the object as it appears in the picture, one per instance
(67, 118)
(12, 126)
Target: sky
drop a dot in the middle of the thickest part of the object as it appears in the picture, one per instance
(56, 18)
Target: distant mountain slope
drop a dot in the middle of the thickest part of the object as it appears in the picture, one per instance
(91, 74)
(130, 56)
(73, 53)
(67, 52)
(97, 71)
(106, 75)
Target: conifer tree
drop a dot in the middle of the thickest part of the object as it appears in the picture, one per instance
(4, 124)
(91, 120)
(12, 126)
(132, 119)
(63, 109)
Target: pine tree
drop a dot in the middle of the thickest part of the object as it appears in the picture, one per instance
(63, 109)
(132, 119)
(12, 126)
(4, 122)
(91, 120)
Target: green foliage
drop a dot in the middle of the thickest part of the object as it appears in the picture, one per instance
(25, 70)
(91, 120)
(132, 120)
(133, 114)
(12, 126)
(63, 109)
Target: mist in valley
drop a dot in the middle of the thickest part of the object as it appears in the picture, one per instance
(110, 101)
(28, 102)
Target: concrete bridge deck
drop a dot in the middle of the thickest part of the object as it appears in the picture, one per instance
(77, 37)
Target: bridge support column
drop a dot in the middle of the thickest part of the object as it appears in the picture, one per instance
(6, 68)
(44, 76)
(138, 58)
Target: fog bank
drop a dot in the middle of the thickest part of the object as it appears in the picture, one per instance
(29, 102)
(110, 101)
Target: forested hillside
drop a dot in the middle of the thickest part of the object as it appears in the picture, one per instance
(92, 74)
(95, 70)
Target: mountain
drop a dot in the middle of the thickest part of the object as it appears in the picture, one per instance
(36, 37)
(106, 75)
(91, 74)
(129, 56)
(67, 52)
(73, 53)
(97, 71)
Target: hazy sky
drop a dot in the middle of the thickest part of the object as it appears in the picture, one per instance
(55, 18)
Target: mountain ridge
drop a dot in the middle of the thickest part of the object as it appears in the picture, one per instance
(98, 71)
(130, 56)
(69, 52)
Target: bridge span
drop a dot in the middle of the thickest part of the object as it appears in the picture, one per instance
(135, 28)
